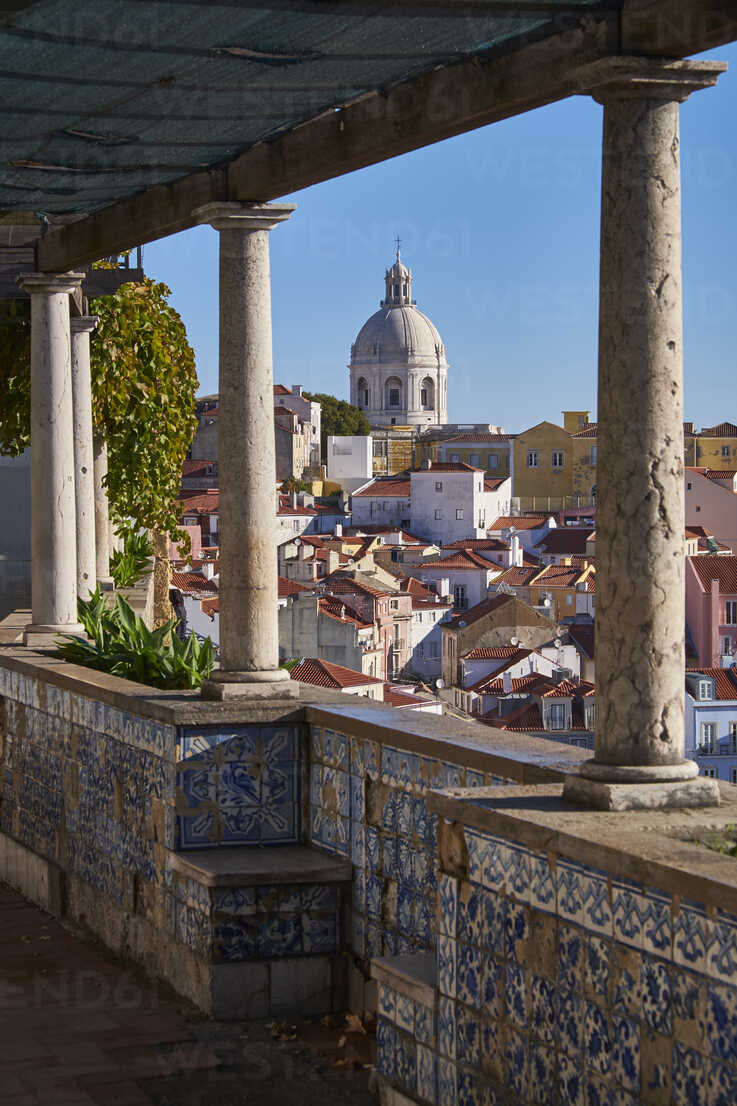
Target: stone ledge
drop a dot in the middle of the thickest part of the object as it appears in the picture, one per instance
(249, 865)
(653, 847)
(412, 974)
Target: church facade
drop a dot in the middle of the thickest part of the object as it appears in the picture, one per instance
(398, 370)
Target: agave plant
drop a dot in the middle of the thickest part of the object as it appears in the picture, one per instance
(129, 564)
(122, 644)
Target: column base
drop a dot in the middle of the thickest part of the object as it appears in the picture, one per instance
(38, 636)
(268, 684)
(660, 794)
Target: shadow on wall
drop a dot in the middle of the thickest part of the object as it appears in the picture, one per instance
(15, 534)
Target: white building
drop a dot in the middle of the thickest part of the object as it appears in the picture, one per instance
(383, 501)
(710, 721)
(464, 576)
(399, 374)
(350, 460)
(451, 501)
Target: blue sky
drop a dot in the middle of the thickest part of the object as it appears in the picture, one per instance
(501, 230)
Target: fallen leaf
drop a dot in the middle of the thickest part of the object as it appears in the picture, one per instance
(354, 1024)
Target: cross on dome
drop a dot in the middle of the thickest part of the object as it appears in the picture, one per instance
(398, 283)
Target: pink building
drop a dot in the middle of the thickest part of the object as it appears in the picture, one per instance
(711, 608)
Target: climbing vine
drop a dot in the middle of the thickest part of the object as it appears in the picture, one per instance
(143, 388)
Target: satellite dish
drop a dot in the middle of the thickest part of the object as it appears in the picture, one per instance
(557, 643)
(462, 624)
(546, 601)
(514, 641)
(440, 684)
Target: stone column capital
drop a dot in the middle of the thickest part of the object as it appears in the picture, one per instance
(236, 216)
(51, 283)
(83, 324)
(633, 78)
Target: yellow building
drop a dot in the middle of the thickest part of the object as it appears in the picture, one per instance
(394, 449)
(483, 450)
(714, 447)
(555, 466)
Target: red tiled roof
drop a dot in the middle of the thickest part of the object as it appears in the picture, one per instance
(565, 540)
(289, 587)
(720, 474)
(520, 522)
(335, 608)
(519, 683)
(491, 485)
(280, 390)
(192, 582)
(517, 577)
(490, 653)
(341, 583)
(199, 502)
(191, 468)
(483, 683)
(478, 543)
(723, 569)
(464, 558)
(211, 606)
(726, 680)
(528, 717)
(721, 430)
(397, 698)
(563, 576)
(386, 487)
(582, 635)
(321, 673)
(588, 430)
(566, 689)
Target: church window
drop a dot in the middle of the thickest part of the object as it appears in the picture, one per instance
(394, 397)
(423, 397)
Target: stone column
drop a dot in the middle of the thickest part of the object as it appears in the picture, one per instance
(84, 479)
(249, 632)
(102, 516)
(640, 599)
(53, 525)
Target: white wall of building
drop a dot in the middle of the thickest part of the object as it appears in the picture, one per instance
(712, 506)
(448, 506)
(350, 460)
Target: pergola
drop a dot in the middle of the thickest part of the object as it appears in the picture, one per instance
(128, 120)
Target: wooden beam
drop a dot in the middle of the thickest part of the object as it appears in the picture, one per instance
(381, 125)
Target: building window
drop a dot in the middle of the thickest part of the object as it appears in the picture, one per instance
(296, 525)
(492, 461)
(459, 512)
(460, 599)
(730, 612)
(710, 772)
(688, 486)
(455, 458)
(432, 649)
(438, 485)
(733, 775)
(557, 716)
(420, 651)
(394, 605)
(423, 396)
(592, 455)
(438, 513)
(705, 690)
(394, 397)
(733, 738)
(533, 458)
(725, 451)
(559, 458)
(708, 737)
(475, 460)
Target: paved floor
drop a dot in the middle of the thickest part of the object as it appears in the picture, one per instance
(81, 1028)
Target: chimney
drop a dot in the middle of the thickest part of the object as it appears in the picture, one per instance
(507, 681)
(292, 499)
(342, 613)
(208, 569)
(339, 529)
(516, 551)
(333, 561)
(297, 389)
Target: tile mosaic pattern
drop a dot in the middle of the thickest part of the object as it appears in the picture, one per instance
(239, 785)
(405, 1033)
(560, 984)
(258, 923)
(367, 802)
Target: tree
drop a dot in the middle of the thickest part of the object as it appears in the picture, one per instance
(143, 388)
(338, 417)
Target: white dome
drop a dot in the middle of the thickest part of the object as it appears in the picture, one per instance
(394, 332)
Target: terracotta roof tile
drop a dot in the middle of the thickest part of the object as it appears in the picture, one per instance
(335, 608)
(723, 569)
(486, 606)
(565, 540)
(289, 587)
(491, 653)
(479, 543)
(720, 474)
(582, 636)
(199, 502)
(211, 606)
(519, 683)
(322, 673)
(520, 522)
(721, 430)
(517, 577)
(280, 390)
(726, 680)
(478, 437)
(192, 583)
(386, 487)
(447, 466)
(396, 698)
(589, 430)
(464, 558)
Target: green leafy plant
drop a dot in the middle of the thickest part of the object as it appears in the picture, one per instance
(131, 563)
(724, 842)
(122, 645)
(143, 389)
